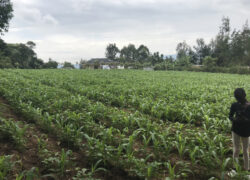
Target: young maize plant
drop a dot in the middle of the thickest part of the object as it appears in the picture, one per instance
(11, 131)
(133, 120)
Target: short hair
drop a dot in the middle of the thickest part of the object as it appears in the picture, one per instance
(240, 94)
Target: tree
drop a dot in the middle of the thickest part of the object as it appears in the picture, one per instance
(201, 50)
(5, 15)
(132, 52)
(112, 51)
(225, 27)
(3, 48)
(156, 58)
(210, 62)
(26, 56)
(3, 45)
(184, 61)
(123, 54)
(22, 56)
(31, 44)
(246, 44)
(240, 46)
(221, 44)
(36, 63)
(5, 62)
(129, 53)
(182, 50)
(51, 64)
(169, 59)
(192, 56)
(143, 53)
(68, 65)
(19, 56)
(83, 63)
(185, 55)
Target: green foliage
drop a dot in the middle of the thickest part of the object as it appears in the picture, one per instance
(156, 58)
(51, 64)
(143, 53)
(161, 66)
(5, 62)
(183, 50)
(31, 44)
(6, 10)
(129, 53)
(88, 174)
(135, 121)
(201, 51)
(68, 65)
(6, 166)
(19, 56)
(227, 49)
(184, 61)
(112, 51)
(30, 174)
(58, 163)
(210, 62)
(10, 131)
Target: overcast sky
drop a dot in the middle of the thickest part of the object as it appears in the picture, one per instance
(74, 29)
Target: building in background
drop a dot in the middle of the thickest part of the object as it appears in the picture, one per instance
(100, 63)
(120, 67)
(105, 67)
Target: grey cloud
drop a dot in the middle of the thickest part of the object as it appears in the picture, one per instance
(114, 16)
(101, 21)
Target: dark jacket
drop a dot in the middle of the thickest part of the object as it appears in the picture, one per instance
(240, 117)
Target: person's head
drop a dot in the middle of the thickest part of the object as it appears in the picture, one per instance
(240, 95)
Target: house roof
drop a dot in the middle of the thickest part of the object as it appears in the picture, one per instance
(99, 60)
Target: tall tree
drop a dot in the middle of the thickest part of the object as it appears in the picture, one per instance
(239, 46)
(23, 56)
(5, 15)
(112, 51)
(143, 53)
(221, 44)
(183, 50)
(201, 50)
(51, 64)
(246, 37)
(68, 65)
(129, 53)
(157, 58)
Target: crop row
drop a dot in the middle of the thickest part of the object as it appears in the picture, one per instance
(132, 141)
(177, 101)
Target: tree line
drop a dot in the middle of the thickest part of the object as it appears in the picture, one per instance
(131, 54)
(228, 48)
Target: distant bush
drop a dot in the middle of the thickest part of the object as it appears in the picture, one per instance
(68, 65)
(217, 69)
(239, 70)
(161, 66)
(5, 62)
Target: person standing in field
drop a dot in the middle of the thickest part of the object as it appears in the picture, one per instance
(240, 117)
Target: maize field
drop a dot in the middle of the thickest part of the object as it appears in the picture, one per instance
(124, 124)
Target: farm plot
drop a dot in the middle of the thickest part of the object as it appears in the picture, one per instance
(132, 124)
